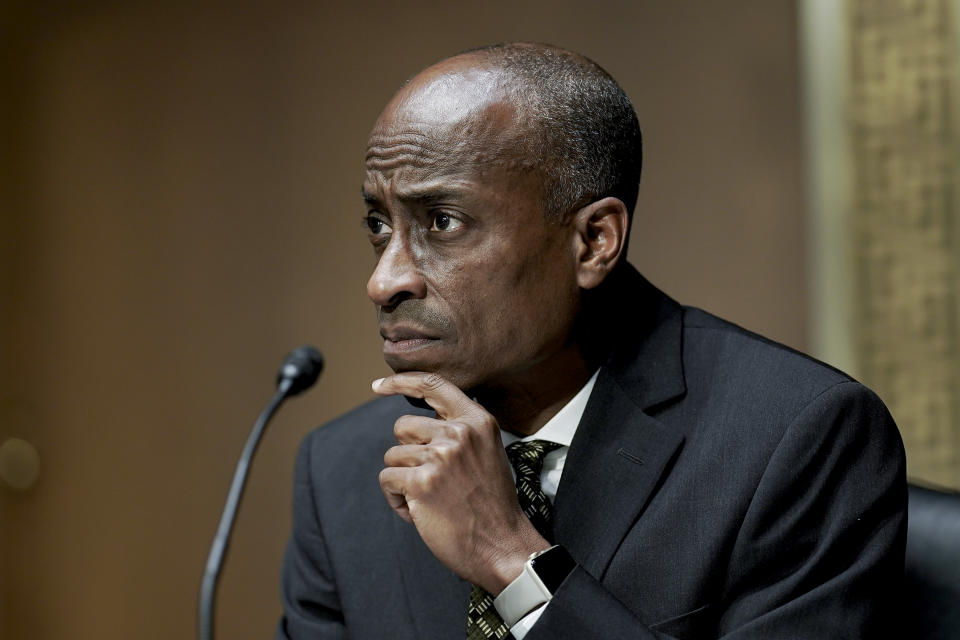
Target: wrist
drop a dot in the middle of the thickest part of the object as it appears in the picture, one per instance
(510, 565)
(542, 575)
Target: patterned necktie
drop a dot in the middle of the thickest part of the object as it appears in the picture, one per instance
(483, 621)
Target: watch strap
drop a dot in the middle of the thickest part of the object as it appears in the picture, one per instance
(542, 574)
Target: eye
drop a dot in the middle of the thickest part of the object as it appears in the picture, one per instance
(376, 225)
(445, 222)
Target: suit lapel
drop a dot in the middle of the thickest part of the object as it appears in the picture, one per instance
(615, 463)
(620, 454)
(437, 597)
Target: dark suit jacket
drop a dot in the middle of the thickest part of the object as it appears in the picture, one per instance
(719, 485)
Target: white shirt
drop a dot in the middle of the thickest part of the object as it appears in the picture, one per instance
(560, 429)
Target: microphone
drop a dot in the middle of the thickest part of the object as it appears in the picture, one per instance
(299, 371)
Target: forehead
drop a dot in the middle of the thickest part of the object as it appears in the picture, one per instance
(447, 120)
(468, 151)
(427, 166)
(445, 93)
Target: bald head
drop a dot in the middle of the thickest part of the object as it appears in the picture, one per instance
(456, 115)
(534, 108)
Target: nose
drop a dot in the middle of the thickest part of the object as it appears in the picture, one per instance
(396, 277)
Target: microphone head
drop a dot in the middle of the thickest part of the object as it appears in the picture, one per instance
(300, 369)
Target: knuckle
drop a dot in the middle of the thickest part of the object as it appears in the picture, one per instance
(442, 452)
(472, 431)
(401, 425)
(488, 424)
(433, 381)
(427, 482)
(458, 431)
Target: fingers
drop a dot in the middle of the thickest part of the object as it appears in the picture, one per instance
(416, 429)
(392, 483)
(438, 455)
(445, 398)
(408, 455)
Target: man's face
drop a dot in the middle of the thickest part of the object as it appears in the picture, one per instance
(472, 281)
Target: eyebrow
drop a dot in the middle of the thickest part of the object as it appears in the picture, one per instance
(425, 196)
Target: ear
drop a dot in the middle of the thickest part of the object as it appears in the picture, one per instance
(601, 235)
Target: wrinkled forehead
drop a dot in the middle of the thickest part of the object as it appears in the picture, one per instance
(447, 117)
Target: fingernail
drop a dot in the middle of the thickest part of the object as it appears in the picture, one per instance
(376, 383)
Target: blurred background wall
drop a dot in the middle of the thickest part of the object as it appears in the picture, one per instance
(904, 123)
(881, 92)
(180, 208)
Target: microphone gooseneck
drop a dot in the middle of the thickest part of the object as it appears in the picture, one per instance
(299, 371)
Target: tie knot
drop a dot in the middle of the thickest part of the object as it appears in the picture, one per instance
(527, 457)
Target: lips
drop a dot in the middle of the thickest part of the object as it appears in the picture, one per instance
(404, 334)
(400, 340)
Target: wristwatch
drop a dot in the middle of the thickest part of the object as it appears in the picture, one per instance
(543, 573)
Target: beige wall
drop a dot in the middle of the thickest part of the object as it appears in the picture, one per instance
(180, 208)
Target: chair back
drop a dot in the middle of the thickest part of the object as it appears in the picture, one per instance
(932, 578)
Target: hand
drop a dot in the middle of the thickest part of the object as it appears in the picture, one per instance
(449, 476)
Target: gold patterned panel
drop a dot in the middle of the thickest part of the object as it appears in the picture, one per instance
(903, 120)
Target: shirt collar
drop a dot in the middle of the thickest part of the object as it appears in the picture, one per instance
(561, 427)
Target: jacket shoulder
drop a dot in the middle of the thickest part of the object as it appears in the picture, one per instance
(750, 389)
(744, 354)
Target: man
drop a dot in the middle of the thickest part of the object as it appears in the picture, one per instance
(697, 481)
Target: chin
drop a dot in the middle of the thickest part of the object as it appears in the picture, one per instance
(406, 365)
(461, 379)
(401, 364)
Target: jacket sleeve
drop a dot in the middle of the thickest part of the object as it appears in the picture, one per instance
(819, 553)
(311, 606)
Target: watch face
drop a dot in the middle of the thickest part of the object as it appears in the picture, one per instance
(552, 567)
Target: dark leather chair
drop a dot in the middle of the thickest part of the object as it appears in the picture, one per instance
(932, 586)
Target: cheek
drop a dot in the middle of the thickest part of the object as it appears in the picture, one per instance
(518, 306)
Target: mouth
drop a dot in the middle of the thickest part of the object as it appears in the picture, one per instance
(399, 339)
